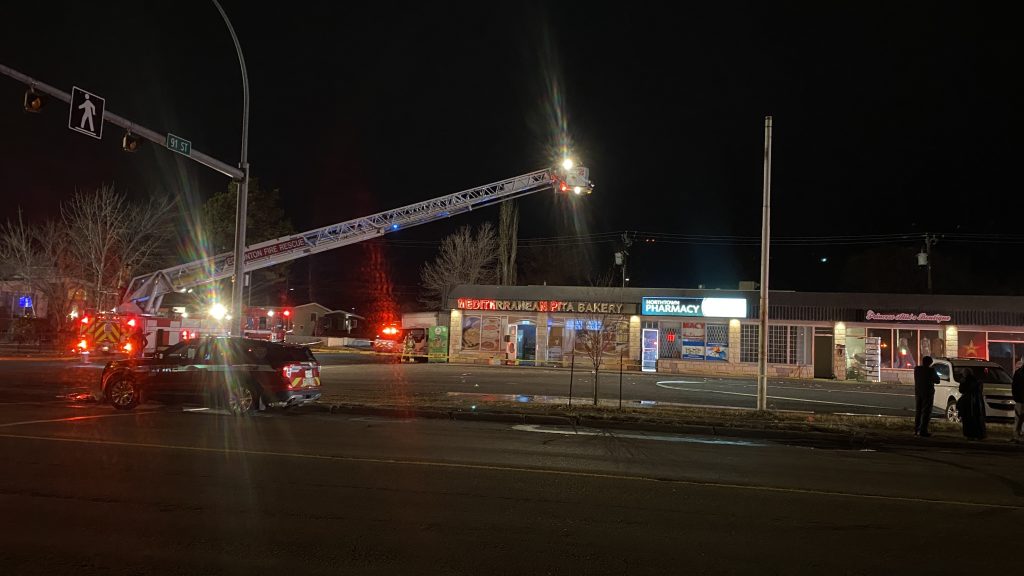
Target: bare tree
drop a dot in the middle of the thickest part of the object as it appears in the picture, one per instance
(17, 250)
(60, 280)
(463, 258)
(42, 258)
(113, 237)
(508, 241)
(600, 337)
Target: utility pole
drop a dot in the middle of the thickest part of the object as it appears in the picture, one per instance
(623, 255)
(766, 211)
(929, 241)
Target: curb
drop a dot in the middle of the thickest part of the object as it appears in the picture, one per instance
(853, 439)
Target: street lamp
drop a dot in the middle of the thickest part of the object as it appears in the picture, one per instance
(243, 188)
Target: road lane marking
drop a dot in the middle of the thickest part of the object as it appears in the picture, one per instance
(517, 469)
(77, 418)
(656, 437)
(664, 385)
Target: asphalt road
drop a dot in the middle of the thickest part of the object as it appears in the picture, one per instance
(360, 378)
(87, 490)
(343, 377)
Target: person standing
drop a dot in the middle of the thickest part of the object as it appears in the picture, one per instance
(925, 379)
(1018, 399)
(971, 405)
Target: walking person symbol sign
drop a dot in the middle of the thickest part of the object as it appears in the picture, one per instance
(86, 113)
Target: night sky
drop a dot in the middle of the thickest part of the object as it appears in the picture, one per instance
(890, 119)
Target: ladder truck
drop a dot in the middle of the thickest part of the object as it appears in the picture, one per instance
(146, 292)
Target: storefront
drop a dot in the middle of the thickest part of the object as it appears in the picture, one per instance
(824, 335)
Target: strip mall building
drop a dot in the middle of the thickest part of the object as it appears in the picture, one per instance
(715, 332)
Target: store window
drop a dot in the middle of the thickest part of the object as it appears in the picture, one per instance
(749, 342)
(786, 344)
(932, 343)
(905, 351)
(1006, 349)
(972, 345)
(885, 344)
(471, 333)
(555, 338)
(717, 344)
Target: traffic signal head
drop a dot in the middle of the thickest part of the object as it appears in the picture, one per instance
(130, 142)
(34, 102)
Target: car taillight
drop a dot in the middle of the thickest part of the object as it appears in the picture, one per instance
(294, 374)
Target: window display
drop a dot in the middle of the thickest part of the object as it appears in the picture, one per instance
(884, 336)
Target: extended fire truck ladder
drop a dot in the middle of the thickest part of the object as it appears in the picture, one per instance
(147, 291)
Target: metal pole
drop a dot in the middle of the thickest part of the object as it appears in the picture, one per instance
(622, 360)
(762, 357)
(572, 367)
(238, 323)
(928, 241)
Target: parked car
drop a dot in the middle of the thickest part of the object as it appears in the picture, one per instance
(998, 399)
(240, 374)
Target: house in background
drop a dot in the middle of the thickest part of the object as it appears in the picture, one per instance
(315, 319)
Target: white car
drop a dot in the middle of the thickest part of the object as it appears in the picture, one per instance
(998, 398)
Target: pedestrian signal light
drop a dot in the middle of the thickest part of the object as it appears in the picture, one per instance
(34, 102)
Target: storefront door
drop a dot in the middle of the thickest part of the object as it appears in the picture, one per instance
(526, 344)
(823, 356)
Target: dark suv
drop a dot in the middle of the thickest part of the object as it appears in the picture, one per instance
(236, 373)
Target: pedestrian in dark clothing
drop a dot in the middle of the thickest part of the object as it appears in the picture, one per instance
(925, 379)
(1018, 399)
(971, 405)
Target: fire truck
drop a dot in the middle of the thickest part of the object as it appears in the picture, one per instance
(137, 335)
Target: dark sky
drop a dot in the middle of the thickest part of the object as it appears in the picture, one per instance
(890, 118)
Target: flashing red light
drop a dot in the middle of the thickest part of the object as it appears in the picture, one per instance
(85, 319)
(127, 347)
(565, 187)
(132, 322)
(390, 330)
(287, 313)
(83, 344)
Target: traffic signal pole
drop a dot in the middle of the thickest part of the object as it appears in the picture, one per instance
(136, 129)
(241, 206)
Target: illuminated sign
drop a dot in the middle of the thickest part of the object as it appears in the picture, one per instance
(544, 306)
(695, 307)
(906, 317)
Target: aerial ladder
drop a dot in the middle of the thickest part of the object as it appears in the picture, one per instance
(147, 291)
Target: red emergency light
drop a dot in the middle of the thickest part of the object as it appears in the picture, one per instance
(287, 313)
(132, 322)
(85, 319)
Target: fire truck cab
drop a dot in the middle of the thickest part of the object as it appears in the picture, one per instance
(271, 324)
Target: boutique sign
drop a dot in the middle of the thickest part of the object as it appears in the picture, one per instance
(906, 317)
(694, 307)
